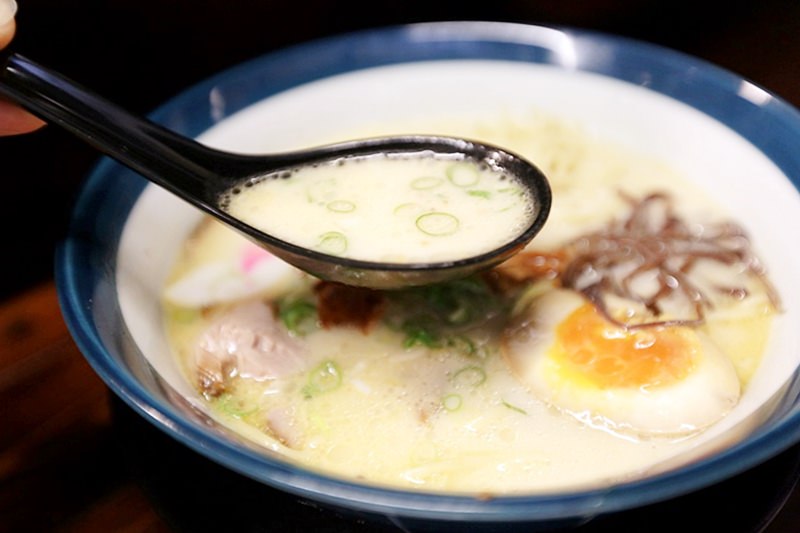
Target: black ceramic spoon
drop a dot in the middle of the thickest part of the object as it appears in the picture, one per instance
(201, 175)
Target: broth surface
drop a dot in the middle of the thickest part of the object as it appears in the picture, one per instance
(388, 209)
(422, 389)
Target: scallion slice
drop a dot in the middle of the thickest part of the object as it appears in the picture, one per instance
(462, 344)
(233, 407)
(426, 182)
(324, 378)
(438, 224)
(322, 191)
(295, 313)
(470, 376)
(452, 402)
(463, 174)
(408, 209)
(515, 191)
(479, 194)
(341, 206)
(419, 336)
(515, 408)
(332, 242)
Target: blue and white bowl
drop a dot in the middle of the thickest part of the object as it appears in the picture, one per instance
(705, 121)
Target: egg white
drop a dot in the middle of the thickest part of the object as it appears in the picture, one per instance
(709, 391)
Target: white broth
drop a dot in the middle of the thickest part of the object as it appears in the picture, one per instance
(428, 389)
(394, 209)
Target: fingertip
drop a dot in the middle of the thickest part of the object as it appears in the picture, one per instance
(7, 32)
(14, 120)
(8, 8)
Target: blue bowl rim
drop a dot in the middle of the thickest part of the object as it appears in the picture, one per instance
(426, 42)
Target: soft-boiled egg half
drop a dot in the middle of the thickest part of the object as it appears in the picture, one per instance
(670, 381)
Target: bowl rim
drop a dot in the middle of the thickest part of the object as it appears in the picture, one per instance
(80, 279)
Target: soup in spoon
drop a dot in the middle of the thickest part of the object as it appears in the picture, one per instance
(389, 208)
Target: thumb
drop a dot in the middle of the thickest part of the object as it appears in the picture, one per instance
(8, 8)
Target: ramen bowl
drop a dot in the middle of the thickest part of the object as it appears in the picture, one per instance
(731, 139)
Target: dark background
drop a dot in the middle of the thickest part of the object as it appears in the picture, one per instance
(140, 53)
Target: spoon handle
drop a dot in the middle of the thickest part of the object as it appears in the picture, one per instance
(166, 158)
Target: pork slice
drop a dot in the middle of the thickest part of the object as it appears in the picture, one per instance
(246, 341)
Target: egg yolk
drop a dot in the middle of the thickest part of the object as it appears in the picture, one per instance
(606, 355)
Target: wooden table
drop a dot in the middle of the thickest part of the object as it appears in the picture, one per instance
(61, 432)
(58, 470)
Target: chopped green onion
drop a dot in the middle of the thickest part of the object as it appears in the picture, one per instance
(452, 402)
(463, 174)
(470, 376)
(234, 408)
(430, 315)
(295, 314)
(462, 344)
(341, 206)
(332, 242)
(324, 378)
(408, 209)
(528, 295)
(418, 335)
(441, 315)
(480, 194)
(516, 191)
(321, 190)
(460, 315)
(426, 182)
(437, 224)
(515, 408)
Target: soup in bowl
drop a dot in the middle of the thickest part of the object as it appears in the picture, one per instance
(640, 347)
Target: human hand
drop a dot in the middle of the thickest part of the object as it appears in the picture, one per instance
(13, 119)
